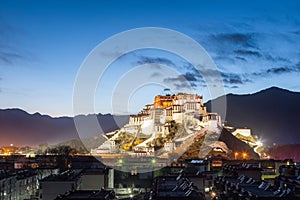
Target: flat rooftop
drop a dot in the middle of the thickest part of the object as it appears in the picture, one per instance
(69, 175)
(88, 194)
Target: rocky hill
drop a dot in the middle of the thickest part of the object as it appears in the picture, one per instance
(272, 114)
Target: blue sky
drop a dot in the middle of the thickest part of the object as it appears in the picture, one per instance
(255, 45)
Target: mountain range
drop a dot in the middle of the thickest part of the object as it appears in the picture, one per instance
(21, 128)
(272, 114)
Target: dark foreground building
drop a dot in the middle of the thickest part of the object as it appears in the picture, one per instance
(88, 194)
(174, 188)
(241, 182)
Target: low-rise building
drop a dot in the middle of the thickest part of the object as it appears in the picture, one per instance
(242, 181)
(58, 184)
(88, 194)
(21, 184)
(175, 187)
(93, 179)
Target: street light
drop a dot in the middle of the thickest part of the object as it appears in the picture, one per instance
(153, 161)
(244, 155)
(120, 161)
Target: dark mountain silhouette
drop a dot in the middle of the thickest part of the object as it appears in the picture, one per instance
(236, 145)
(272, 114)
(21, 128)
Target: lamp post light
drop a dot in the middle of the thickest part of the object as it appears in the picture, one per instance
(244, 155)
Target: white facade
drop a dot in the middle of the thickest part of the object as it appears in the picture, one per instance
(147, 127)
(178, 117)
(211, 121)
(169, 146)
(242, 131)
(131, 128)
(192, 106)
(108, 146)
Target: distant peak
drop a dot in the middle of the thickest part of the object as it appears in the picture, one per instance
(14, 110)
(275, 89)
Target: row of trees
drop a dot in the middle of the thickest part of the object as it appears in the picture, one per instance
(63, 150)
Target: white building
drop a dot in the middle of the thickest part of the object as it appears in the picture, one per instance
(169, 146)
(109, 146)
(185, 109)
(242, 131)
(212, 121)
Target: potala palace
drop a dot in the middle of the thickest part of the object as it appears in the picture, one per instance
(162, 126)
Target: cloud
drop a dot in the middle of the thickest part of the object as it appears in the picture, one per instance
(233, 48)
(193, 78)
(296, 32)
(234, 79)
(154, 60)
(231, 87)
(185, 85)
(297, 66)
(240, 39)
(187, 77)
(155, 74)
(259, 49)
(226, 77)
(278, 70)
(186, 80)
(241, 58)
(223, 56)
(9, 54)
(276, 58)
(9, 57)
(247, 53)
(202, 72)
(252, 50)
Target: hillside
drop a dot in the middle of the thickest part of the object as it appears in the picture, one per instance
(272, 114)
(21, 128)
(233, 144)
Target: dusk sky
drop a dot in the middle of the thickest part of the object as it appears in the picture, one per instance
(255, 45)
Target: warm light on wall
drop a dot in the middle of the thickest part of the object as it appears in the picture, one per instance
(235, 155)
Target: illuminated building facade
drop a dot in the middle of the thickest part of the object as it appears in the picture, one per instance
(153, 121)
